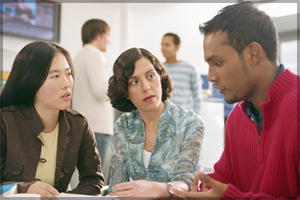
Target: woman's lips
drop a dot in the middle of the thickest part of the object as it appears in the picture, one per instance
(149, 98)
(66, 96)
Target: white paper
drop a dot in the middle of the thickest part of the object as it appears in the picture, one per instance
(78, 196)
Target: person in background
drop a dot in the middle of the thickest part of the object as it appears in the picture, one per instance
(42, 139)
(187, 85)
(157, 144)
(261, 155)
(91, 85)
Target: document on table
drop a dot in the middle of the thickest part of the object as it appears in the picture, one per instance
(79, 196)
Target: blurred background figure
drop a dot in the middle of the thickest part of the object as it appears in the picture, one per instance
(187, 85)
(91, 86)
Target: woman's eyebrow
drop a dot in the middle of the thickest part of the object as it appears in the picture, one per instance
(57, 70)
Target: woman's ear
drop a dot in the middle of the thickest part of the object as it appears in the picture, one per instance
(255, 53)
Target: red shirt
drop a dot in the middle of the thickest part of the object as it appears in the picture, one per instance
(266, 165)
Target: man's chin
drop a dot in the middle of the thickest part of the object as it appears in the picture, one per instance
(231, 100)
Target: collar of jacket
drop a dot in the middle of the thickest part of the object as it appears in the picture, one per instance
(37, 124)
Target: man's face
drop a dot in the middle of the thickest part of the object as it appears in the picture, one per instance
(104, 40)
(168, 47)
(227, 70)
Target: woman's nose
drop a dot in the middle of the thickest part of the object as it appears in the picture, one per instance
(67, 81)
(146, 86)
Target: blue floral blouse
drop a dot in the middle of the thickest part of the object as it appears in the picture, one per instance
(176, 154)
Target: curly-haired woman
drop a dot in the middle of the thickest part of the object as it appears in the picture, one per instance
(156, 143)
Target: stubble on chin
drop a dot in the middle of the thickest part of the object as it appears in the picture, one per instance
(232, 100)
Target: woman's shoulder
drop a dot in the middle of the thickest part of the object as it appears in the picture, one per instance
(179, 112)
(181, 116)
(128, 117)
(11, 108)
(128, 122)
(72, 113)
(8, 112)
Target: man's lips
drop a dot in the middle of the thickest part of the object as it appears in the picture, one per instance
(149, 98)
(222, 90)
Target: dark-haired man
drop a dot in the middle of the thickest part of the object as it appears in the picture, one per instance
(261, 155)
(186, 79)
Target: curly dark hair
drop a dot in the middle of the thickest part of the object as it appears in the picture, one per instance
(123, 69)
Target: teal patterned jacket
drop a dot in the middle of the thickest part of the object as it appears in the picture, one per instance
(176, 155)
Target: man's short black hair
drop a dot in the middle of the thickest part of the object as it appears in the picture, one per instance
(244, 24)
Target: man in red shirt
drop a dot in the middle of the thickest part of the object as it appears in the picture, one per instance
(261, 155)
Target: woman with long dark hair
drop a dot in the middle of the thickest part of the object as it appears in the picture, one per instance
(42, 139)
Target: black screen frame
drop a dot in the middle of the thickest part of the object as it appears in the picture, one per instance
(56, 27)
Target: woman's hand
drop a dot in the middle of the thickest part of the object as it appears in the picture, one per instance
(140, 188)
(43, 189)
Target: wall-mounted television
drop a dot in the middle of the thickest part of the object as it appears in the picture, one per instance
(37, 19)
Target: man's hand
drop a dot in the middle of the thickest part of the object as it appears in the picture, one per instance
(43, 189)
(210, 188)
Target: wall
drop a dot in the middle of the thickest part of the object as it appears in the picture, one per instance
(152, 21)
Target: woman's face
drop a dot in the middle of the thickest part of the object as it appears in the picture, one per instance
(55, 93)
(144, 86)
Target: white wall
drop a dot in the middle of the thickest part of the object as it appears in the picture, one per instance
(151, 21)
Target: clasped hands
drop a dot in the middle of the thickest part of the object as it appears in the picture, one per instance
(142, 188)
(210, 188)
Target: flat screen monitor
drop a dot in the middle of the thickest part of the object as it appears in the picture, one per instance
(37, 19)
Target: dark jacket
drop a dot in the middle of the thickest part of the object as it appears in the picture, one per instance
(20, 150)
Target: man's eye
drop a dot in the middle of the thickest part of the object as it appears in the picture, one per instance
(217, 63)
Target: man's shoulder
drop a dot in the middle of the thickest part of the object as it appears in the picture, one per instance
(186, 65)
(88, 50)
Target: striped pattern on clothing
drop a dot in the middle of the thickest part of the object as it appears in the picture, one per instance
(187, 86)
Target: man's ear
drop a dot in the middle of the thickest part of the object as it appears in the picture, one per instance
(177, 47)
(99, 35)
(255, 53)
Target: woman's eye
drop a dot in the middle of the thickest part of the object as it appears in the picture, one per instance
(151, 75)
(55, 76)
(133, 82)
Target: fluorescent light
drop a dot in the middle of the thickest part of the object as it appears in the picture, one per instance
(278, 9)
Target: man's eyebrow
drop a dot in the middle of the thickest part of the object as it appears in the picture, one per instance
(211, 58)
